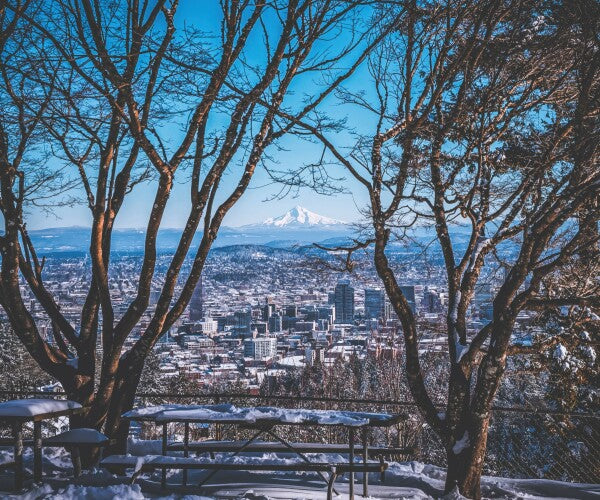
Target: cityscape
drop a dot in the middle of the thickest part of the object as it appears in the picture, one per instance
(259, 311)
(299, 249)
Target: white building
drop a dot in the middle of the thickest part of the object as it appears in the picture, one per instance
(260, 348)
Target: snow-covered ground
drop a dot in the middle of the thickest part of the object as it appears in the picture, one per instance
(411, 480)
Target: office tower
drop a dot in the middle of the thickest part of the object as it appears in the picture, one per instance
(327, 313)
(242, 321)
(268, 309)
(431, 301)
(208, 326)
(275, 323)
(196, 303)
(374, 303)
(409, 294)
(260, 348)
(291, 311)
(344, 302)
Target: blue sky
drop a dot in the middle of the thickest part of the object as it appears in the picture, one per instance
(257, 203)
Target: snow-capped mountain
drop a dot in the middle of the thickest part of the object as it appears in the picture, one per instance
(298, 226)
(300, 217)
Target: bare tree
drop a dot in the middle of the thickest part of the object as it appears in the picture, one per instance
(485, 115)
(113, 78)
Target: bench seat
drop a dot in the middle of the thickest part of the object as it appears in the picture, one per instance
(149, 463)
(277, 447)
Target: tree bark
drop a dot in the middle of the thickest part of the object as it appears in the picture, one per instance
(465, 466)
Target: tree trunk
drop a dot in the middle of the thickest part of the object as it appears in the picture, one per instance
(465, 466)
(105, 415)
(122, 400)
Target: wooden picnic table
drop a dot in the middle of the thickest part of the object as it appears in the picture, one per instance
(264, 421)
(18, 412)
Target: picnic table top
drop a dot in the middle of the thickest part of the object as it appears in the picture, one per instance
(37, 409)
(261, 415)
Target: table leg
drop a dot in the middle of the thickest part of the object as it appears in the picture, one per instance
(241, 449)
(301, 455)
(351, 461)
(165, 435)
(365, 456)
(17, 432)
(76, 458)
(186, 453)
(37, 452)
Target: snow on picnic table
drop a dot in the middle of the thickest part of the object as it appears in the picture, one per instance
(231, 413)
(33, 407)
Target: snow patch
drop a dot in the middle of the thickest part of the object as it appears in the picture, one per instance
(300, 216)
(560, 352)
(461, 444)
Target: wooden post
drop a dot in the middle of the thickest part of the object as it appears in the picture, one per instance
(186, 453)
(76, 459)
(365, 453)
(37, 451)
(351, 460)
(165, 434)
(17, 432)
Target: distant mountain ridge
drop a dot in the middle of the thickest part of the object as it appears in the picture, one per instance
(298, 226)
(295, 229)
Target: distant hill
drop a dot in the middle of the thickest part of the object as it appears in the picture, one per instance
(296, 227)
(294, 230)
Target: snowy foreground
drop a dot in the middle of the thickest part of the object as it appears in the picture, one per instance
(412, 480)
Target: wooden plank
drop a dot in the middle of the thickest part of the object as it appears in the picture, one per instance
(158, 461)
(213, 446)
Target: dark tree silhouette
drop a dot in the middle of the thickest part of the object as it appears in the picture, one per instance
(485, 115)
(91, 91)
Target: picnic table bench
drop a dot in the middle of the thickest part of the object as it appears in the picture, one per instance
(150, 463)
(17, 413)
(263, 421)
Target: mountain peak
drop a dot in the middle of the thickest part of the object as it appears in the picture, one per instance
(299, 216)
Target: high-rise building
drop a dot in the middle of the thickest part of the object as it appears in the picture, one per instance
(409, 294)
(291, 311)
(242, 321)
(196, 303)
(268, 310)
(275, 323)
(327, 312)
(374, 303)
(260, 348)
(344, 302)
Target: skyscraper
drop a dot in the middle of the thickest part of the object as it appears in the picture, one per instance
(374, 303)
(197, 303)
(409, 294)
(344, 302)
